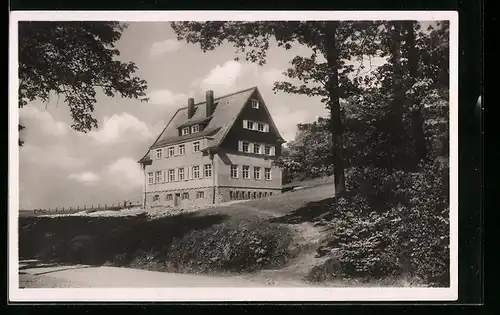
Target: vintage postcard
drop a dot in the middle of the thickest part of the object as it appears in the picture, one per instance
(233, 156)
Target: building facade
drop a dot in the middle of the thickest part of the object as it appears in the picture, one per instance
(215, 151)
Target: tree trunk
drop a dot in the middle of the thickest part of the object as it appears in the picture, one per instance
(336, 126)
(417, 121)
(395, 127)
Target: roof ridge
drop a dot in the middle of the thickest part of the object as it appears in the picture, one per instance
(218, 98)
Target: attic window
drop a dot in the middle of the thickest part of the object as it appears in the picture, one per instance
(255, 104)
(185, 131)
(195, 128)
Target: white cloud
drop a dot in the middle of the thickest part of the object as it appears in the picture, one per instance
(167, 97)
(52, 155)
(119, 128)
(125, 173)
(166, 46)
(44, 121)
(86, 178)
(223, 76)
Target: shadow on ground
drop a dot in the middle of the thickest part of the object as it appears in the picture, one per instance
(104, 240)
(312, 212)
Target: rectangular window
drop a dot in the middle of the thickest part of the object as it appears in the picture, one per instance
(207, 170)
(237, 195)
(171, 175)
(231, 195)
(267, 173)
(151, 179)
(200, 194)
(171, 151)
(185, 131)
(195, 128)
(256, 148)
(182, 149)
(246, 172)
(196, 172)
(159, 177)
(196, 146)
(156, 198)
(255, 104)
(249, 124)
(260, 127)
(256, 172)
(180, 173)
(169, 197)
(185, 195)
(267, 150)
(234, 171)
(246, 146)
(158, 154)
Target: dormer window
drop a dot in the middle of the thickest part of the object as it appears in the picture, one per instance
(255, 104)
(185, 131)
(195, 128)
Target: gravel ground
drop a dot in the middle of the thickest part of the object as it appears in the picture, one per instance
(44, 281)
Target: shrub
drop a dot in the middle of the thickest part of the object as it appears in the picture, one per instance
(234, 246)
(407, 234)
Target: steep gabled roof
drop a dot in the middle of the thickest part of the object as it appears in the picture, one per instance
(227, 110)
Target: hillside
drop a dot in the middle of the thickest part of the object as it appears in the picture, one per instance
(142, 240)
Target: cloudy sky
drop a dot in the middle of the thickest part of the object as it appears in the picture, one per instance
(60, 167)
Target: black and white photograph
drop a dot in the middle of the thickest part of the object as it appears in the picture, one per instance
(233, 156)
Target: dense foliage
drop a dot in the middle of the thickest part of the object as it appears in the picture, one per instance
(72, 59)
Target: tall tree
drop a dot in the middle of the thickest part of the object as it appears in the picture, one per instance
(73, 59)
(324, 73)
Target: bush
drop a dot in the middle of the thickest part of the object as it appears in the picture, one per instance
(407, 234)
(234, 246)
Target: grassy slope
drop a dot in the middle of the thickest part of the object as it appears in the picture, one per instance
(120, 241)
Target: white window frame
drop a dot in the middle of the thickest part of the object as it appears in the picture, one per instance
(243, 146)
(169, 197)
(159, 176)
(267, 171)
(171, 175)
(261, 125)
(255, 172)
(158, 153)
(250, 123)
(267, 149)
(151, 178)
(234, 170)
(181, 175)
(185, 194)
(185, 131)
(256, 145)
(207, 169)
(182, 149)
(196, 146)
(246, 171)
(196, 171)
(200, 195)
(255, 104)
(171, 151)
(195, 128)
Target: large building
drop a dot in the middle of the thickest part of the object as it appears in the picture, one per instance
(214, 151)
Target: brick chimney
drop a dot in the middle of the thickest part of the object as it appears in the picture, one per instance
(210, 102)
(190, 107)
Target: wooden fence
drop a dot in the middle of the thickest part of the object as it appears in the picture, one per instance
(88, 208)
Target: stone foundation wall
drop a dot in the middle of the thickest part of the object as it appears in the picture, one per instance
(174, 198)
(225, 194)
(167, 198)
